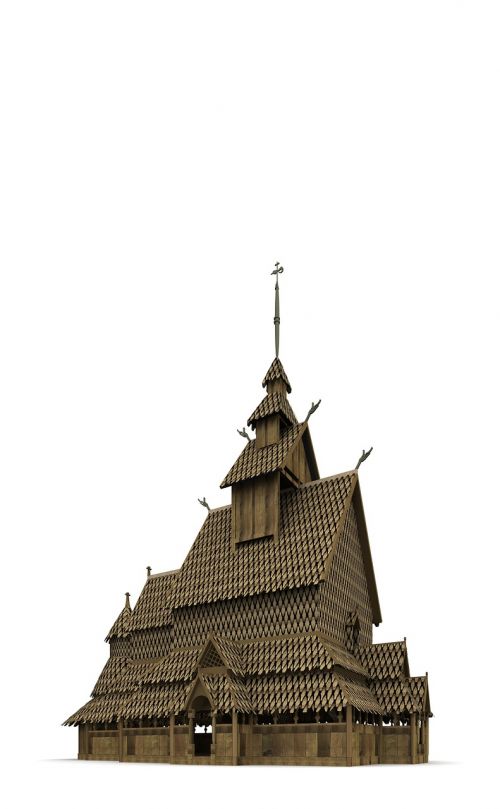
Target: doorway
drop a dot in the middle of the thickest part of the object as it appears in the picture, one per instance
(202, 727)
(202, 740)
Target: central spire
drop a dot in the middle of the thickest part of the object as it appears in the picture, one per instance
(277, 270)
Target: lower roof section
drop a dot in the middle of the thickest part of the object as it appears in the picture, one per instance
(260, 676)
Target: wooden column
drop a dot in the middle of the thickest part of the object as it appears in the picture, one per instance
(413, 738)
(426, 738)
(172, 737)
(213, 751)
(235, 737)
(120, 740)
(348, 716)
(190, 744)
(380, 735)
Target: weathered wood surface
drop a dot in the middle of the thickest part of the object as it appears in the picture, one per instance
(334, 744)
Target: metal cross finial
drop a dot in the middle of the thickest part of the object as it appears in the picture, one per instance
(244, 434)
(277, 270)
(313, 408)
(204, 503)
(363, 458)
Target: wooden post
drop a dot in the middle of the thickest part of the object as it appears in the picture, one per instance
(235, 737)
(190, 744)
(213, 750)
(413, 738)
(348, 716)
(120, 740)
(380, 735)
(172, 737)
(426, 739)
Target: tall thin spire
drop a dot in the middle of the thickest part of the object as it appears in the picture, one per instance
(277, 270)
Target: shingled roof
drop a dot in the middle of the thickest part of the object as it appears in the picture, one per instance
(273, 403)
(151, 608)
(384, 661)
(293, 654)
(121, 626)
(255, 461)
(319, 690)
(275, 372)
(309, 519)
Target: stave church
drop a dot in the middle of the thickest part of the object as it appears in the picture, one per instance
(259, 648)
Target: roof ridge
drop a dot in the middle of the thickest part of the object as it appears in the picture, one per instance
(273, 403)
(329, 477)
(383, 643)
(163, 573)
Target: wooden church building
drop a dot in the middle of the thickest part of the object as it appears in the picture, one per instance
(259, 649)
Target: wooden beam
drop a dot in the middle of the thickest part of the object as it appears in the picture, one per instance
(348, 713)
(190, 743)
(235, 736)
(172, 737)
(120, 740)
(213, 751)
(413, 738)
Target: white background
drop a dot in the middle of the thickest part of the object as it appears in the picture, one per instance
(156, 160)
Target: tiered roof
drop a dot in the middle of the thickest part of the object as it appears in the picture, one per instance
(271, 404)
(301, 670)
(389, 672)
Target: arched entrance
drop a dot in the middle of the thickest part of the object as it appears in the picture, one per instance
(202, 726)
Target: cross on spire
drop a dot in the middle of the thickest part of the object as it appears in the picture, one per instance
(277, 270)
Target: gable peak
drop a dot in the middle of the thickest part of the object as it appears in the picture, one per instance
(276, 373)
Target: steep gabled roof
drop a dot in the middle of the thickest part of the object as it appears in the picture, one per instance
(221, 651)
(419, 689)
(151, 609)
(276, 371)
(121, 626)
(273, 403)
(384, 661)
(309, 519)
(255, 461)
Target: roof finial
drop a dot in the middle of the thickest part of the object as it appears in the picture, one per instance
(204, 503)
(244, 434)
(148, 570)
(363, 458)
(277, 270)
(313, 408)
(127, 601)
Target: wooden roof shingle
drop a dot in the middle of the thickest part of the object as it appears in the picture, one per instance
(255, 461)
(121, 627)
(151, 609)
(384, 661)
(271, 404)
(275, 372)
(309, 519)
